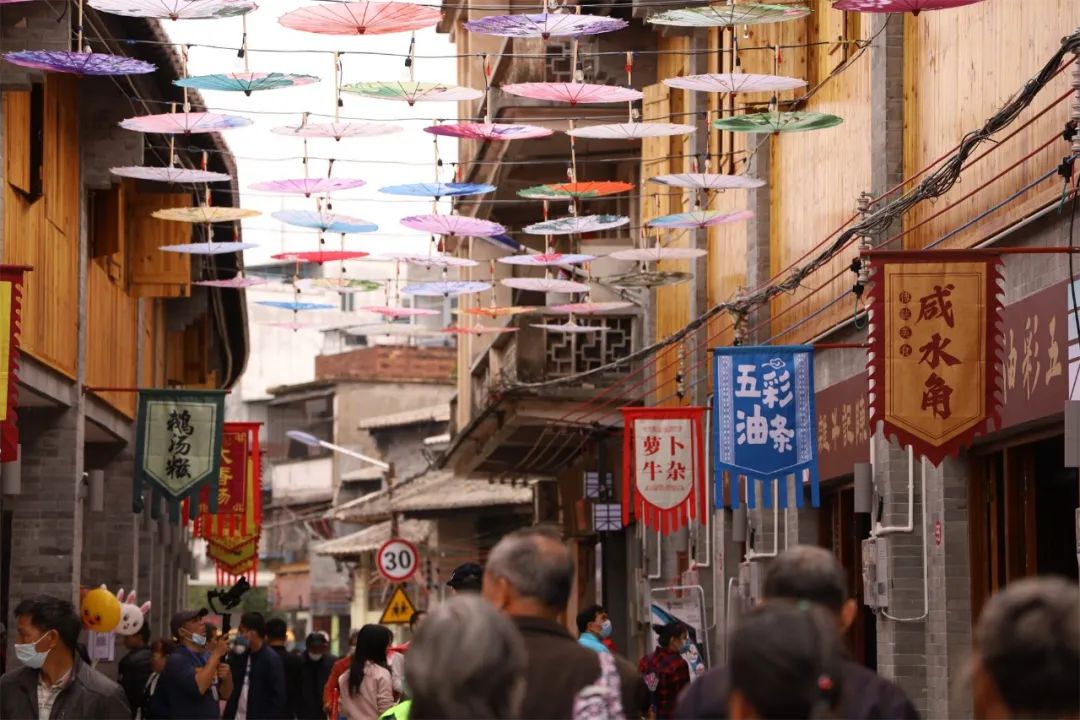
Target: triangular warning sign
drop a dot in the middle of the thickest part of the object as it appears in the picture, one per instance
(399, 610)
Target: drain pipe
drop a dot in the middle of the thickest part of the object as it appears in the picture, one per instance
(880, 530)
(925, 559)
(751, 555)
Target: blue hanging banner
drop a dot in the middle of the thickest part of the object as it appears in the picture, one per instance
(764, 423)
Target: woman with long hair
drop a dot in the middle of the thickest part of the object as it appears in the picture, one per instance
(367, 689)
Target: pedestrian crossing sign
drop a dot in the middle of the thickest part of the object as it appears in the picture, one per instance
(399, 610)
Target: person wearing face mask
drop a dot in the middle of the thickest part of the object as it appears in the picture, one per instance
(665, 670)
(259, 690)
(316, 662)
(594, 626)
(53, 681)
(194, 677)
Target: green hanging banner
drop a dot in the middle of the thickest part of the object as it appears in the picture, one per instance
(178, 446)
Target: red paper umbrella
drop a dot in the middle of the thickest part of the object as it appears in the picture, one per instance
(361, 18)
(896, 6)
(573, 93)
(477, 330)
(590, 308)
(396, 311)
(489, 131)
(320, 256)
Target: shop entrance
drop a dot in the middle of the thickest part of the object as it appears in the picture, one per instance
(842, 531)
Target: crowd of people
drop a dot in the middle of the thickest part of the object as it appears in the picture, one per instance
(498, 649)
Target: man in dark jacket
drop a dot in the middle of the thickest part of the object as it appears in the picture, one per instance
(53, 680)
(528, 576)
(277, 636)
(134, 668)
(259, 690)
(315, 666)
(808, 573)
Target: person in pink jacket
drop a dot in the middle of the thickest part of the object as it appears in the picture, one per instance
(367, 688)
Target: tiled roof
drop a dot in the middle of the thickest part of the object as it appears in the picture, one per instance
(370, 538)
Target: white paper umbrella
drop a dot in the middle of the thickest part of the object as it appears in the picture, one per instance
(397, 311)
(576, 224)
(344, 286)
(656, 254)
(545, 285)
(453, 225)
(544, 25)
(175, 9)
(546, 259)
(171, 174)
(413, 92)
(729, 15)
(237, 283)
(590, 308)
(210, 248)
(337, 130)
(446, 288)
(700, 219)
(630, 130)
(394, 329)
(427, 260)
(709, 181)
(477, 330)
(571, 328)
(735, 83)
(648, 279)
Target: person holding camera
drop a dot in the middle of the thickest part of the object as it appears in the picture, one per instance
(194, 678)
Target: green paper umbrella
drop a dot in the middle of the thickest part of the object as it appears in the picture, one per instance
(778, 122)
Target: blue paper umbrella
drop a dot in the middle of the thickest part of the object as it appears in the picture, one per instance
(245, 82)
(438, 190)
(295, 306)
(325, 221)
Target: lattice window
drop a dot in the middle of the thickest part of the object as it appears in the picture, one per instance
(567, 354)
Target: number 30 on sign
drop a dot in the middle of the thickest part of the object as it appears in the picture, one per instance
(397, 560)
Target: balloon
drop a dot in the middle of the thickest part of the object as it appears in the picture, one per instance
(100, 610)
(131, 614)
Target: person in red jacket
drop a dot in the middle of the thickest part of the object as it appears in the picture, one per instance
(330, 691)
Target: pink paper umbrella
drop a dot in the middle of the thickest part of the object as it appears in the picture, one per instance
(337, 130)
(79, 63)
(175, 9)
(735, 83)
(428, 260)
(708, 181)
(544, 25)
(395, 311)
(361, 18)
(546, 259)
(573, 93)
(453, 225)
(171, 174)
(489, 131)
(237, 283)
(896, 6)
(590, 308)
(321, 256)
(183, 123)
(656, 254)
(630, 130)
(699, 219)
(307, 186)
(476, 330)
(545, 285)
(12, 2)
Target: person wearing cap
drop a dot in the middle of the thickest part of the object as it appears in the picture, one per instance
(467, 577)
(194, 678)
(316, 663)
(259, 691)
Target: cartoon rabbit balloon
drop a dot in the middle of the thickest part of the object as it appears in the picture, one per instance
(132, 615)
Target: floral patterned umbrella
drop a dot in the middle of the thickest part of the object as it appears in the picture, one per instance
(590, 308)
(170, 174)
(476, 330)
(308, 186)
(896, 6)
(546, 259)
(446, 288)
(573, 93)
(575, 224)
(245, 82)
(575, 190)
(656, 254)
(208, 248)
(337, 130)
(437, 190)
(324, 220)
(492, 311)
(204, 214)
(630, 130)
(777, 122)
(237, 283)
(571, 327)
(700, 219)
(735, 83)
(709, 181)
(175, 9)
(412, 91)
(182, 123)
(320, 256)
(453, 225)
(728, 15)
(340, 285)
(428, 260)
(79, 63)
(361, 18)
(545, 285)
(295, 306)
(395, 311)
(489, 131)
(648, 279)
(544, 25)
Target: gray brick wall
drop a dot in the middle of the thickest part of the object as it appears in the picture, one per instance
(104, 143)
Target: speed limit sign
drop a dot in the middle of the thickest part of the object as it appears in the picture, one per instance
(397, 560)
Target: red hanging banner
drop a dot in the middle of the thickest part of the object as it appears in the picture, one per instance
(935, 348)
(664, 467)
(238, 485)
(11, 279)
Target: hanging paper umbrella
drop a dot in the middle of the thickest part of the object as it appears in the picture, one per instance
(630, 130)
(579, 190)
(437, 190)
(735, 83)
(412, 91)
(575, 224)
(208, 248)
(295, 306)
(709, 181)
(341, 285)
(445, 288)
(491, 311)
(324, 220)
(11, 2)
(777, 122)
(175, 9)
(182, 123)
(392, 329)
(489, 131)
(898, 6)
(396, 311)
(337, 130)
(453, 225)
(573, 93)
(590, 308)
(294, 325)
(429, 260)
(571, 328)
(308, 186)
(546, 259)
(321, 256)
(728, 15)
(204, 214)
(648, 279)
(238, 283)
(361, 18)
(700, 219)
(545, 285)
(476, 330)
(656, 254)
(79, 63)
(245, 82)
(170, 174)
(544, 25)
